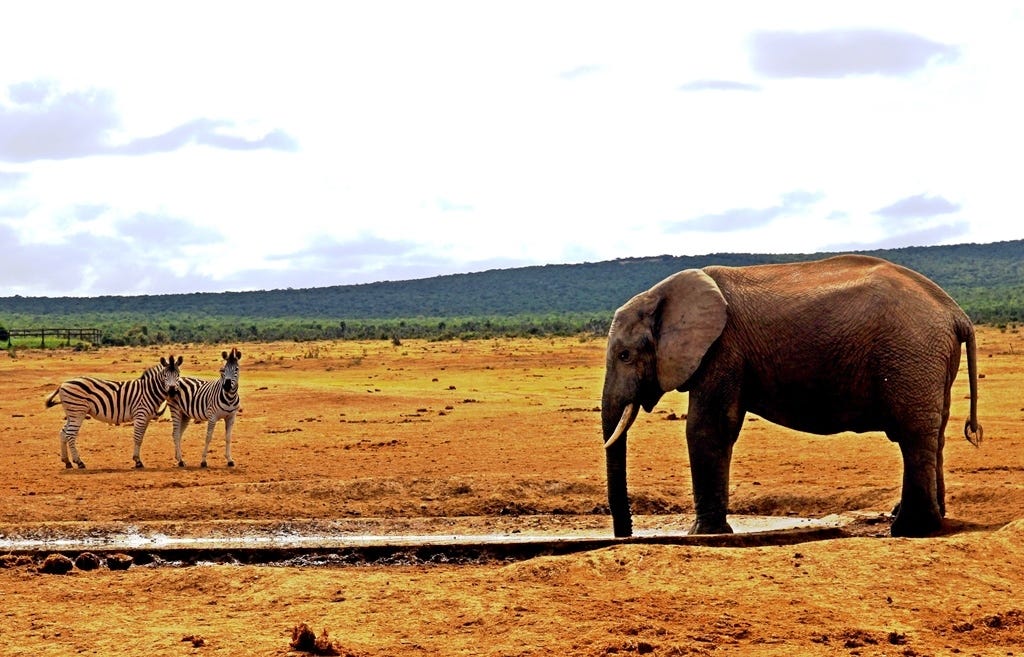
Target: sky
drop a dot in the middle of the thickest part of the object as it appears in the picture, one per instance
(150, 148)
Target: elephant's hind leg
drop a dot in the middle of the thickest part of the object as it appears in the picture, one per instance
(922, 503)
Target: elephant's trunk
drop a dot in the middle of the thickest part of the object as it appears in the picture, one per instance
(615, 459)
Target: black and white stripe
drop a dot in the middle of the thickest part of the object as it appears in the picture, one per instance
(114, 402)
(208, 400)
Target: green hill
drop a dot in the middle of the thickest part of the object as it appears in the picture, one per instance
(986, 279)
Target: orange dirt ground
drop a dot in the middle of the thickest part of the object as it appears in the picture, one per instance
(489, 429)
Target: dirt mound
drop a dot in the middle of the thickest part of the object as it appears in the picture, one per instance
(1012, 532)
(15, 560)
(87, 561)
(119, 561)
(305, 639)
(56, 564)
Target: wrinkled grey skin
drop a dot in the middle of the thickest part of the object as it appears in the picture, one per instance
(850, 343)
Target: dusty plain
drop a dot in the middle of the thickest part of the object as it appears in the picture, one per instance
(489, 431)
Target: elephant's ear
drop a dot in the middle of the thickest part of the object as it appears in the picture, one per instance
(692, 316)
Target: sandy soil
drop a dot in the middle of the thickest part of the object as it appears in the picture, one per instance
(496, 429)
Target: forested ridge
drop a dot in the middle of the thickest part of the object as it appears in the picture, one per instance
(986, 279)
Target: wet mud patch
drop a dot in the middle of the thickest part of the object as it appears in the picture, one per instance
(382, 542)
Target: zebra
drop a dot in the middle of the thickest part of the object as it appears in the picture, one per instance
(208, 400)
(114, 402)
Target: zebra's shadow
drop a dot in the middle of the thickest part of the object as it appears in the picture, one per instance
(200, 468)
(69, 472)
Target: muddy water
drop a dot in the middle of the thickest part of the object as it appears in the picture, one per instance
(441, 540)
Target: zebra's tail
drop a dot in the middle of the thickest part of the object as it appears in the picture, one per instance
(49, 400)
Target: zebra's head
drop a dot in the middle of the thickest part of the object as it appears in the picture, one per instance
(229, 372)
(170, 375)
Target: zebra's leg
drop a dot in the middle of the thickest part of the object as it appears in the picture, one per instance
(64, 445)
(180, 421)
(229, 423)
(210, 426)
(68, 436)
(141, 423)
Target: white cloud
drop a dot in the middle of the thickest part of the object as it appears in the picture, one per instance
(845, 52)
(327, 144)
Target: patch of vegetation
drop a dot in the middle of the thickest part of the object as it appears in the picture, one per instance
(987, 280)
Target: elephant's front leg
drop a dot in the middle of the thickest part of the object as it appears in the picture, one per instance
(710, 435)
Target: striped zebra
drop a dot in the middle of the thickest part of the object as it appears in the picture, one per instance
(114, 402)
(208, 400)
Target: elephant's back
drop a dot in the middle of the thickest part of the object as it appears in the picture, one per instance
(862, 285)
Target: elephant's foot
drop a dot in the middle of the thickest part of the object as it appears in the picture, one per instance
(700, 526)
(915, 525)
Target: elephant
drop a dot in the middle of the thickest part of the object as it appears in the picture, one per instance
(847, 343)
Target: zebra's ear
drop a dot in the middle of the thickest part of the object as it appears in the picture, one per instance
(238, 354)
(163, 361)
(181, 359)
(224, 355)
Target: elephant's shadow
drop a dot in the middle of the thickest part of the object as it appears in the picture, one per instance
(878, 526)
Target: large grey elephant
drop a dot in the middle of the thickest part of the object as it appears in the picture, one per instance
(849, 343)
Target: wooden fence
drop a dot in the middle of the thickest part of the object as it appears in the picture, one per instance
(91, 335)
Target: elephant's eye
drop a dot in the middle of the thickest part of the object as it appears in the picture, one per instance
(624, 355)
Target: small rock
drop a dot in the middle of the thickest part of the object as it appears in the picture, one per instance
(56, 564)
(87, 561)
(119, 561)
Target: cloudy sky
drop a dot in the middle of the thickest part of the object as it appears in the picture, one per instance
(184, 147)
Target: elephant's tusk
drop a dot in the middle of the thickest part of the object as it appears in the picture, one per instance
(628, 415)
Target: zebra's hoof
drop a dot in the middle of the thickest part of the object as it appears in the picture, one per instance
(231, 464)
(81, 465)
(138, 465)
(203, 464)
(67, 464)
(181, 464)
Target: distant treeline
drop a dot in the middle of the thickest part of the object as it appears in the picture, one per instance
(986, 279)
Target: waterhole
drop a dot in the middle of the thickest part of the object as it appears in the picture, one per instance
(393, 541)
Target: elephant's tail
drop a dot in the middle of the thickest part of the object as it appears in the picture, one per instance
(972, 428)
